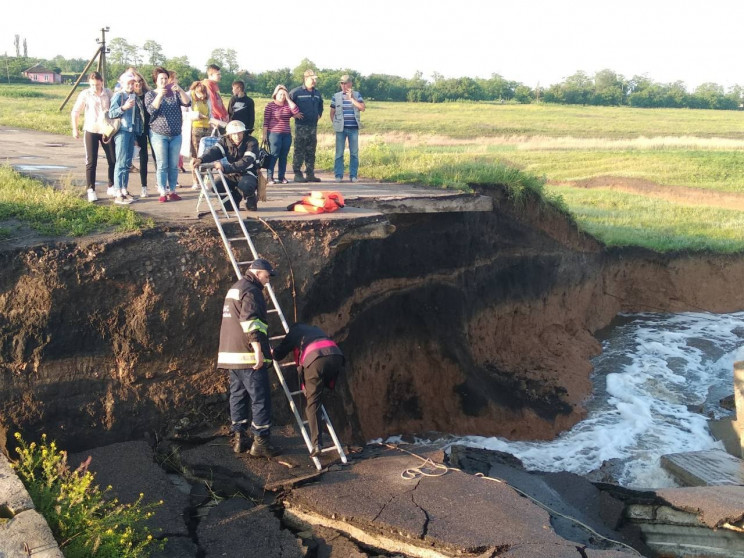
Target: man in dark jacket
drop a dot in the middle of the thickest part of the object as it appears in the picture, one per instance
(310, 102)
(245, 352)
(235, 154)
(319, 362)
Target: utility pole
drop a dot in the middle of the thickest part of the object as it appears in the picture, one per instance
(100, 54)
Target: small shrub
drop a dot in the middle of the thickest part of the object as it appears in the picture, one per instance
(83, 520)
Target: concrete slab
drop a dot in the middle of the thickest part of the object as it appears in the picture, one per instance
(454, 513)
(714, 505)
(60, 159)
(27, 534)
(130, 468)
(705, 468)
(236, 527)
(13, 495)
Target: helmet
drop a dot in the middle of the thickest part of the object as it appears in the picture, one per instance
(234, 127)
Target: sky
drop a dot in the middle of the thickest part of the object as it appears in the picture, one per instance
(532, 42)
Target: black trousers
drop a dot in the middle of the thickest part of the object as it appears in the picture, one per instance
(92, 141)
(317, 375)
(244, 188)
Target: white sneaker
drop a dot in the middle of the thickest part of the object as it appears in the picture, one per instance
(196, 187)
(124, 192)
(122, 200)
(111, 192)
(144, 193)
(354, 179)
(92, 195)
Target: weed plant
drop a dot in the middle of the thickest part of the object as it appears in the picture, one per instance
(85, 522)
(57, 212)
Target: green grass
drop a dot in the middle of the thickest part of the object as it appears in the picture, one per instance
(57, 212)
(455, 145)
(621, 219)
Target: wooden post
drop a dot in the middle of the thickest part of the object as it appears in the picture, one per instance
(739, 399)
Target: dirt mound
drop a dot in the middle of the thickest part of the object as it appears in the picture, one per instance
(476, 322)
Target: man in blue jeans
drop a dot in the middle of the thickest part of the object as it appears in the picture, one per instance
(246, 353)
(346, 106)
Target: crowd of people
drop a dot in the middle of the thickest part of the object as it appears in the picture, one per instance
(172, 121)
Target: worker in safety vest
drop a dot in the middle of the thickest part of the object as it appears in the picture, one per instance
(319, 362)
(245, 352)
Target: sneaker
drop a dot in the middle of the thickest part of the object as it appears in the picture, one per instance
(92, 195)
(163, 199)
(111, 192)
(312, 178)
(262, 447)
(195, 187)
(124, 192)
(354, 179)
(133, 169)
(339, 178)
(299, 178)
(143, 194)
(121, 200)
(283, 181)
(250, 204)
(174, 197)
(272, 181)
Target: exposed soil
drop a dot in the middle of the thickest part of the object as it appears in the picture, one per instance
(477, 322)
(684, 195)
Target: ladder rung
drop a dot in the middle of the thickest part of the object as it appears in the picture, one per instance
(287, 364)
(276, 337)
(330, 448)
(299, 391)
(245, 262)
(273, 311)
(237, 238)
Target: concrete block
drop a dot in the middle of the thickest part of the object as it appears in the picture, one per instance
(13, 495)
(27, 534)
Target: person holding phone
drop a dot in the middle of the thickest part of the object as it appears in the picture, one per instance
(126, 107)
(346, 106)
(164, 105)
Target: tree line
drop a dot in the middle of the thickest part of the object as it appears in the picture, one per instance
(604, 88)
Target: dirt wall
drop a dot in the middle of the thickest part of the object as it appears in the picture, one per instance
(459, 322)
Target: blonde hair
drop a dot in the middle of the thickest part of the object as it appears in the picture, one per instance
(277, 89)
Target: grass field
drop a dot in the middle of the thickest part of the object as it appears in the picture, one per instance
(555, 150)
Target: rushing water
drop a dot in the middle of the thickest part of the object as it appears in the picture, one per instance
(658, 379)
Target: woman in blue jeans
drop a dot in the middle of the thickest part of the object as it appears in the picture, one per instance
(164, 106)
(277, 130)
(125, 106)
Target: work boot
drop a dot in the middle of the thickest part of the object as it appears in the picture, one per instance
(298, 177)
(315, 452)
(311, 177)
(251, 204)
(240, 442)
(262, 447)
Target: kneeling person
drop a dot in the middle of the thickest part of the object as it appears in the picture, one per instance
(319, 362)
(235, 154)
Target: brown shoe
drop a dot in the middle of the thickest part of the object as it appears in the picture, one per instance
(241, 441)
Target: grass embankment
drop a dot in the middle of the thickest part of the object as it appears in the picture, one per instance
(54, 212)
(552, 149)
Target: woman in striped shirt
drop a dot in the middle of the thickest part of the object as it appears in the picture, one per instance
(278, 132)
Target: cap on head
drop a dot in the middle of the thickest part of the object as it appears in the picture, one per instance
(310, 73)
(346, 78)
(234, 127)
(126, 77)
(262, 264)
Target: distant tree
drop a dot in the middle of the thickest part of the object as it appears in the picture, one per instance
(17, 43)
(226, 59)
(523, 94)
(154, 52)
(186, 73)
(122, 52)
(609, 88)
(25, 48)
(297, 74)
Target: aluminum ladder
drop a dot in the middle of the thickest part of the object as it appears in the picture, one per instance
(208, 177)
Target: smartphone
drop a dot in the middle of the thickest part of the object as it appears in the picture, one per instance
(132, 96)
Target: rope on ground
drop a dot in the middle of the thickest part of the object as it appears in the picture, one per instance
(441, 470)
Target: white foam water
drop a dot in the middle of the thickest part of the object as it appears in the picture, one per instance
(658, 379)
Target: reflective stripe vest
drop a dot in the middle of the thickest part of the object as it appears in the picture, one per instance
(319, 201)
(244, 320)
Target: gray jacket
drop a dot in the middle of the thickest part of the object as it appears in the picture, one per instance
(337, 103)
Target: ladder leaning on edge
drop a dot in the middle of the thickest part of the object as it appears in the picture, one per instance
(207, 177)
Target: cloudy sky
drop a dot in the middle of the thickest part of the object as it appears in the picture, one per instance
(535, 41)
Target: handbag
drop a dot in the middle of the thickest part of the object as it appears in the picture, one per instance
(263, 160)
(262, 182)
(208, 142)
(110, 128)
